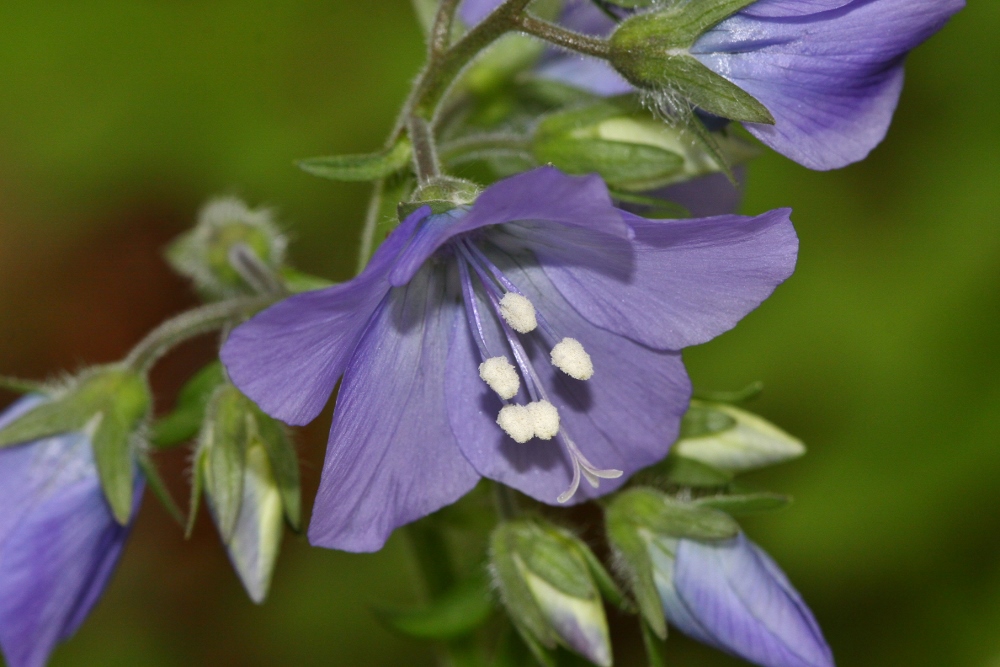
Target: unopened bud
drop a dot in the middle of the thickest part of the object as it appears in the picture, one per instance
(546, 583)
(232, 250)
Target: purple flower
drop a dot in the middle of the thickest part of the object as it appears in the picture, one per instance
(468, 344)
(829, 71)
(732, 596)
(59, 541)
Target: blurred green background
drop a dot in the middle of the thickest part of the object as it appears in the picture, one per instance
(117, 119)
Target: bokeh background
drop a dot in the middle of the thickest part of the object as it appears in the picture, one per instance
(119, 118)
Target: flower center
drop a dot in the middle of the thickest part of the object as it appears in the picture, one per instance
(517, 316)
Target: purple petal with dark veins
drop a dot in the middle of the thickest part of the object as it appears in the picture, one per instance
(624, 418)
(288, 358)
(686, 282)
(832, 79)
(540, 194)
(743, 604)
(792, 8)
(392, 456)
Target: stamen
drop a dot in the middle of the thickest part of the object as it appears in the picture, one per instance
(545, 418)
(516, 422)
(501, 376)
(570, 357)
(519, 312)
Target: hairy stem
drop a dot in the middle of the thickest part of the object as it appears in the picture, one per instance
(441, 31)
(190, 324)
(567, 39)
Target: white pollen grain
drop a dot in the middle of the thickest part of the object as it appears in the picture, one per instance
(544, 419)
(516, 421)
(519, 312)
(570, 357)
(501, 376)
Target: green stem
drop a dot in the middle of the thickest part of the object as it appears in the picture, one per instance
(190, 324)
(567, 39)
(441, 31)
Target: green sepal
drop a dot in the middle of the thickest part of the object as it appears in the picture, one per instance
(366, 167)
(159, 488)
(632, 166)
(749, 443)
(651, 51)
(224, 440)
(663, 515)
(184, 422)
(702, 420)
(632, 4)
(284, 464)
(602, 579)
(745, 503)
(19, 386)
(514, 590)
(681, 471)
(456, 613)
(297, 281)
(108, 405)
(197, 488)
(634, 564)
(653, 645)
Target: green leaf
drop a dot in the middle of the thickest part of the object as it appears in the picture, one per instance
(658, 209)
(197, 486)
(456, 613)
(126, 399)
(184, 422)
(19, 386)
(514, 591)
(629, 166)
(367, 167)
(159, 488)
(748, 503)
(224, 440)
(743, 395)
(605, 584)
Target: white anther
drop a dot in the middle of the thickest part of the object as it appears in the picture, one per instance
(519, 312)
(545, 419)
(570, 357)
(501, 376)
(516, 421)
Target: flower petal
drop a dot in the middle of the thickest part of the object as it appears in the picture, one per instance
(624, 418)
(288, 357)
(831, 80)
(731, 589)
(57, 556)
(705, 196)
(589, 74)
(540, 194)
(789, 8)
(392, 456)
(687, 281)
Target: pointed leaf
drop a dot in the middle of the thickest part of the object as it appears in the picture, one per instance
(159, 488)
(197, 486)
(224, 440)
(46, 420)
(284, 465)
(634, 563)
(367, 167)
(682, 471)
(749, 503)
(653, 645)
(456, 613)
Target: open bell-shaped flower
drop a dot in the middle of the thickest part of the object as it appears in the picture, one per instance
(531, 337)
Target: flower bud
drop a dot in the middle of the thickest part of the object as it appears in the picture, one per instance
(442, 194)
(730, 594)
(733, 440)
(109, 406)
(636, 517)
(59, 540)
(651, 50)
(629, 148)
(546, 580)
(249, 473)
(232, 250)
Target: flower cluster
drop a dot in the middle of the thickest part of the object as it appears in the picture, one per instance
(515, 320)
